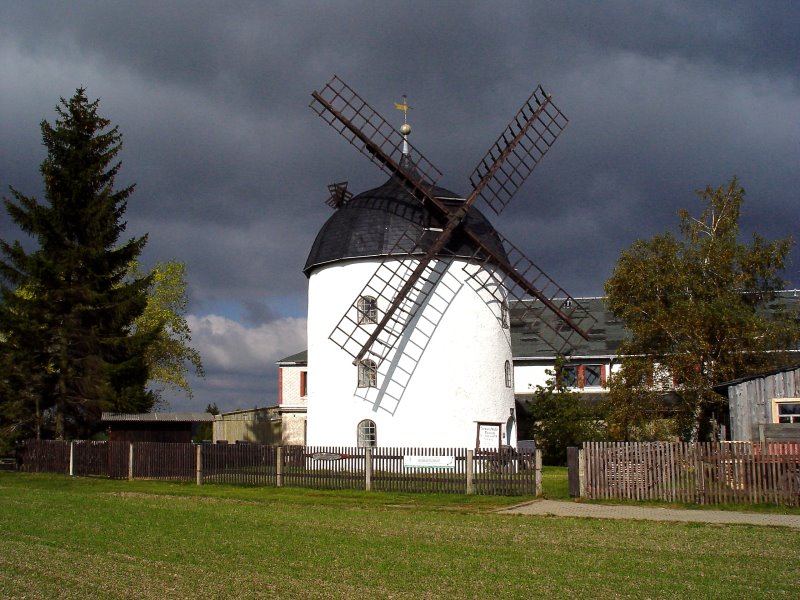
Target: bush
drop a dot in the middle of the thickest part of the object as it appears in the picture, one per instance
(563, 418)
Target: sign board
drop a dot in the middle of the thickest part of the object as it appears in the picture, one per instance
(429, 462)
(330, 456)
(489, 436)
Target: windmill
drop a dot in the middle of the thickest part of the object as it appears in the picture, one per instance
(404, 291)
(495, 180)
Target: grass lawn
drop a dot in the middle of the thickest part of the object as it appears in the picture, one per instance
(97, 538)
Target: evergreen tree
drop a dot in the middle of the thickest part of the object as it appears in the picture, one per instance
(67, 310)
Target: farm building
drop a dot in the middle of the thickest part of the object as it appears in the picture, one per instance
(587, 368)
(764, 402)
(293, 398)
(256, 425)
(177, 427)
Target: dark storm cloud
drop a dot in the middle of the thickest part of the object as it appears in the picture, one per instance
(231, 166)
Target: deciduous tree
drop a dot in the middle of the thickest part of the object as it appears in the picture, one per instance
(169, 357)
(563, 417)
(701, 309)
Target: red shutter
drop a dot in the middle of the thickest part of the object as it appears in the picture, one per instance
(303, 380)
(581, 376)
(603, 375)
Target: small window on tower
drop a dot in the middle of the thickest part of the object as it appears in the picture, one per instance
(366, 435)
(367, 374)
(504, 317)
(509, 375)
(367, 310)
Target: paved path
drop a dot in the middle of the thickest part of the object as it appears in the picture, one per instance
(618, 511)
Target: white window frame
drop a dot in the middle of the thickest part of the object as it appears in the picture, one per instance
(366, 434)
(367, 373)
(505, 316)
(776, 403)
(367, 307)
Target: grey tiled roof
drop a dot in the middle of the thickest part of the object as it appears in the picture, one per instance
(604, 337)
(372, 222)
(300, 357)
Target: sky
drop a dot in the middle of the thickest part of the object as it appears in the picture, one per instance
(231, 166)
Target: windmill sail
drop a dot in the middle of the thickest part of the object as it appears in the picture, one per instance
(404, 285)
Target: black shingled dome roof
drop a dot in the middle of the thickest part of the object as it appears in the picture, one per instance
(371, 223)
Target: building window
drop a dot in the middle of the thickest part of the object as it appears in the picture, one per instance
(367, 374)
(592, 375)
(509, 374)
(367, 310)
(568, 376)
(787, 411)
(582, 376)
(366, 434)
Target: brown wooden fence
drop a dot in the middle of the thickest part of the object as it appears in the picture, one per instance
(442, 470)
(703, 473)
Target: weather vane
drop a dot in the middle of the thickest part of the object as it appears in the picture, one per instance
(405, 129)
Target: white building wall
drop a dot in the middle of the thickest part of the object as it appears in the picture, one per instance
(448, 375)
(528, 376)
(291, 386)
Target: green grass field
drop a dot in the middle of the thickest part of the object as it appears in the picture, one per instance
(97, 538)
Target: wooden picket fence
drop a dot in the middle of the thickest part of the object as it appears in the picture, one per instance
(436, 470)
(703, 473)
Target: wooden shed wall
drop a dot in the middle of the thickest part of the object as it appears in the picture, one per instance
(750, 402)
(261, 431)
(148, 431)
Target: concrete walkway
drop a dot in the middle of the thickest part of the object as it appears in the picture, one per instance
(618, 511)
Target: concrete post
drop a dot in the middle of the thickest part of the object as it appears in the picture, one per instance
(368, 468)
(72, 459)
(470, 472)
(538, 475)
(279, 467)
(130, 461)
(199, 463)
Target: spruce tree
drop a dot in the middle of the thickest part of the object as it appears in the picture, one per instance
(67, 308)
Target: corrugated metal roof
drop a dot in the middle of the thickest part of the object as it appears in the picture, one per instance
(165, 416)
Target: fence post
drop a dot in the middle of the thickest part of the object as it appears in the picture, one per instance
(130, 461)
(573, 472)
(368, 469)
(470, 472)
(538, 473)
(582, 473)
(72, 459)
(279, 467)
(199, 463)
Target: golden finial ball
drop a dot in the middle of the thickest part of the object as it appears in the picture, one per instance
(405, 128)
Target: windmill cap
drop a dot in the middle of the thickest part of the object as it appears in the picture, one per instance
(372, 222)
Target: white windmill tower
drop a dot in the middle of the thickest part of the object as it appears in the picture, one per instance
(409, 285)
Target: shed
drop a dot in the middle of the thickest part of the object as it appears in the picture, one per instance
(256, 425)
(177, 427)
(768, 400)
